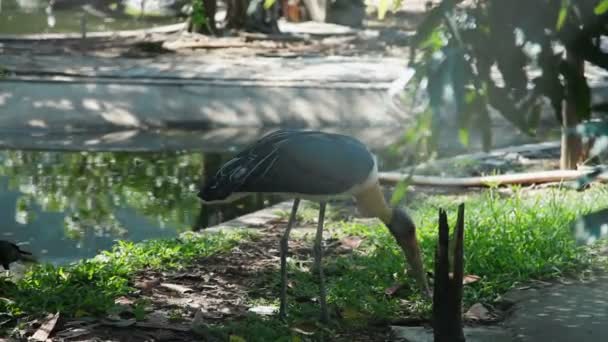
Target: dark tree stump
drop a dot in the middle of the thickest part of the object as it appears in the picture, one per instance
(447, 292)
(251, 16)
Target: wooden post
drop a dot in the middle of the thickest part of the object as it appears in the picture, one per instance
(447, 292)
(572, 146)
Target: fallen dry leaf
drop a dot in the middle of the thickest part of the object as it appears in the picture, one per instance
(478, 312)
(304, 327)
(265, 310)
(351, 242)
(119, 323)
(393, 289)
(46, 328)
(76, 332)
(124, 301)
(470, 279)
(467, 279)
(147, 284)
(176, 287)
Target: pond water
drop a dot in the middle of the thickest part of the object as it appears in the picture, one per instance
(70, 205)
(64, 16)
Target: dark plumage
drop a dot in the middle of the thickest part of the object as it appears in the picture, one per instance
(304, 163)
(10, 252)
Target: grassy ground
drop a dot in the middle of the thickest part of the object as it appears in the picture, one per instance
(509, 239)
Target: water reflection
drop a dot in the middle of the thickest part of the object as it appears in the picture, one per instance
(42, 16)
(70, 205)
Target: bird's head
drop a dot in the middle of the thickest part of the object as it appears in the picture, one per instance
(404, 230)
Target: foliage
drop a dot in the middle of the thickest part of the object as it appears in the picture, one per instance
(508, 240)
(384, 5)
(90, 287)
(486, 56)
(199, 17)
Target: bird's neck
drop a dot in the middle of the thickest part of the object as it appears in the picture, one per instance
(371, 203)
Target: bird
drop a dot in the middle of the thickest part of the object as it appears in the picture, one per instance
(10, 252)
(316, 166)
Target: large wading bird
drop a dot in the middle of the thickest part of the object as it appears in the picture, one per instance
(316, 166)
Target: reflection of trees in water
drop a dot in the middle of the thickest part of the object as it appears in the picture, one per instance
(90, 187)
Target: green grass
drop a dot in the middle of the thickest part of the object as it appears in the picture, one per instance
(508, 240)
(89, 287)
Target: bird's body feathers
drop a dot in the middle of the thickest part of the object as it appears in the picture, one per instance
(304, 164)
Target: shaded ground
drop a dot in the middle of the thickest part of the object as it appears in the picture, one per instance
(570, 311)
(186, 305)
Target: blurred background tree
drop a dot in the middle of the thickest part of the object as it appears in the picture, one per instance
(251, 15)
(474, 57)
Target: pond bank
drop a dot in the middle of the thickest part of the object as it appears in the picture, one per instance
(159, 81)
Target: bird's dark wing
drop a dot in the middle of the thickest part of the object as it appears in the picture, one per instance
(233, 174)
(301, 162)
(313, 163)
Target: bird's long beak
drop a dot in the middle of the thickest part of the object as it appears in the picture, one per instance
(372, 203)
(413, 255)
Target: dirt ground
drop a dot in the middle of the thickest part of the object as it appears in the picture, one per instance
(386, 43)
(387, 37)
(215, 290)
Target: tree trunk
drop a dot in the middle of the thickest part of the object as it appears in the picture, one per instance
(250, 15)
(317, 9)
(572, 146)
(236, 13)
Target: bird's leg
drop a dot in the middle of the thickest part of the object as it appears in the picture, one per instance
(318, 253)
(283, 247)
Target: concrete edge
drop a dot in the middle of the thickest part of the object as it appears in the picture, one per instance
(103, 34)
(323, 84)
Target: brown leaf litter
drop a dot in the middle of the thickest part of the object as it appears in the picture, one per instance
(214, 290)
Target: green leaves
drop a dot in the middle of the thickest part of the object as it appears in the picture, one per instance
(601, 8)
(199, 17)
(433, 21)
(563, 14)
(269, 3)
(515, 38)
(382, 8)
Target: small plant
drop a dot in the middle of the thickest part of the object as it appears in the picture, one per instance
(140, 308)
(199, 17)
